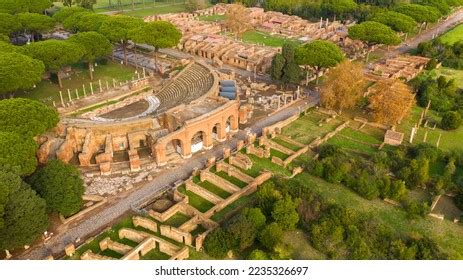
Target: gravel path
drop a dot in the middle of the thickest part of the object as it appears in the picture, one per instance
(90, 226)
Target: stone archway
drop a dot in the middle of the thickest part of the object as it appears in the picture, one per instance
(218, 132)
(231, 124)
(198, 141)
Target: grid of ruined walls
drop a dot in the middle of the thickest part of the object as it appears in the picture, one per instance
(207, 195)
(176, 234)
(233, 172)
(206, 175)
(145, 223)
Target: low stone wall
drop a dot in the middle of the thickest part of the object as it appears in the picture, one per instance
(90, 256)
(295, 155)
(131, 234)
(145, 223)
(291, 141)
(120, 248)
(372, 124)
(260, 152)
(278, 161)
(250, 188)
(318, 141)
(183, 254)
(142, 249)
(218, 181)
(176, 234)
(207, 195)
(277, 127)
(240, 161)
(233, 172)
(164, 216)
(276, 146)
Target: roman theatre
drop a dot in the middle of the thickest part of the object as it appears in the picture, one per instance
(150, 125)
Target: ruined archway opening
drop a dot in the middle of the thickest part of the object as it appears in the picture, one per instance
(197, 141)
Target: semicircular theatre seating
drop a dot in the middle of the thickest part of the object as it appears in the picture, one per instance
(189, 85)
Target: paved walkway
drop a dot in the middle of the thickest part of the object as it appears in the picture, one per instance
(92, 225)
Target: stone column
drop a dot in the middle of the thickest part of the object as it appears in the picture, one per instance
(101, 87)
(69, 95)
(91, 88)
(207, 140)
(159, 153)
(85, 92)
(221, 133)
(234, 124)
(61, 98)
(77, 93)
(186, 149)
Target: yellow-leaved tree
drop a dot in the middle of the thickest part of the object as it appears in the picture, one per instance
(390, 100)
(343, 87)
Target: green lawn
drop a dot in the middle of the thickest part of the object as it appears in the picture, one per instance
(257, 37)
(450, 141)
(231, 179)
(286, 144)
(166, 9)
(48, 91)
(214, 189)
(196, 201)
(352, 145)
(213, 18)
(177, 220)
(300, 245)
(453, 35)
(231, 208)
(278, 154)
(446, 233)
(450, 74)
(306, 128)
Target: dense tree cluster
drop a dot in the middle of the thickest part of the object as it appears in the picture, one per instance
(397, 21)
(261, 226)
(450, 55)
(443, 96)
(374, 32)
(284, 67)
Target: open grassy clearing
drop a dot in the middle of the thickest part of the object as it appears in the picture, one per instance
(231, 179)
(286, 144)
(165, 9)
(451, 140)
(302, 250)
(306, 128)
(352, 145)
(263, 38)
(196, 201)
(177, 220)
(213, 18)
(450, 73)
(47, 91)
(278, 154)
(214, 189)
(453, 35)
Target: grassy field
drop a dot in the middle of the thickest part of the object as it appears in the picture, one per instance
(302, 250)
(196, 201)
(450, 74)
(452, 36)
(214, 189)
(286, 144)
(257, 37)
(231, 179)
(166, 9)
(212, 18)
(306, 128)
(48, 91)
(451, 140)
(177, 220)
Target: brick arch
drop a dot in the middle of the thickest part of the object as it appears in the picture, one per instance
(233, 120)
(218, 129)
(204, 124)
